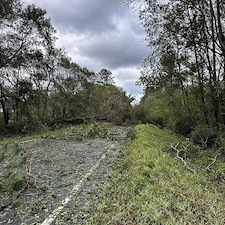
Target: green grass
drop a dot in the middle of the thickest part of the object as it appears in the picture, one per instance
(32, 136)
(151, 186)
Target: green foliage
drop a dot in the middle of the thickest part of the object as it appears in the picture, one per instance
(106, 102)
(153, 108)
(205, 136)
(181, 124)
(97, 130)
(2, 152)
(105, 77)
(55, 89)
(16, 181)
(13, 160)
(16, 149)
(150, 186)
(183, 84)
(165, 108)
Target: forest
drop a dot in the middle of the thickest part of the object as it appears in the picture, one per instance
(183, 76)
(184, 73)
(40, 87)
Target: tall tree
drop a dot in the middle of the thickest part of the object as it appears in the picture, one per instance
(105, 76)
(186, 42)
(28, 38)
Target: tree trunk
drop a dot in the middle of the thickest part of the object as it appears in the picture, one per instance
(5, 113)
(220, 31)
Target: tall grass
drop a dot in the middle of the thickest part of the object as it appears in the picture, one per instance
(150, 186)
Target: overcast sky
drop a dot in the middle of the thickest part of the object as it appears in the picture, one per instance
(100, 34)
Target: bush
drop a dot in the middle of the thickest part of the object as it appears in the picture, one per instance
(182, 124)
(156, 120)
(98, 130)
(13, 160)
(16, 181)
(205, 136)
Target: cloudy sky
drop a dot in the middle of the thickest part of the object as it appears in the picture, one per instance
(100, 34)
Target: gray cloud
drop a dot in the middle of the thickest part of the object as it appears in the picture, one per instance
(82, 15)
(99, 33)
(115, 51)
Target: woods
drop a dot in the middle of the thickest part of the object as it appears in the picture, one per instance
(183, 76)
(40, 85)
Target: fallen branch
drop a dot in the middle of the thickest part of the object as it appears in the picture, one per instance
(180, 157)
(17, 196)
(30, 167)
(214, 160)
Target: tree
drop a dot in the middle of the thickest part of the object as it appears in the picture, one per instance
(104, 102)
(28, 40)
(105, 76)
(69, 80)
(186, 43)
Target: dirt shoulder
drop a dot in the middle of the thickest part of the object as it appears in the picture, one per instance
(56, 166)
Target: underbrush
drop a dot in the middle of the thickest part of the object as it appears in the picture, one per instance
(156, 183)
(14, 178)
(90, 131)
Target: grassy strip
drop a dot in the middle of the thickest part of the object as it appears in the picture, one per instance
(150, 186)
(73, 133)
(33, 136)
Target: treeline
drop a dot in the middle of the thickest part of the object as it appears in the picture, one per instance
(39, 84)
(184, 74)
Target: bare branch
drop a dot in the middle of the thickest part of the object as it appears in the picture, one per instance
(179, 157)
(2, 207)
(214, 160)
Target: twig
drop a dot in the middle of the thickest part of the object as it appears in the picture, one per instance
(17, 196)
(181, 158)
(30, 167)
(204, 142)
(214, 160)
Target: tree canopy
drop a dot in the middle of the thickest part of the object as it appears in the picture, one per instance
(39, 83)
(186, 66)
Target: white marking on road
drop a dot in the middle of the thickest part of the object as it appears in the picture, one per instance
(57, 211)
(23, 142)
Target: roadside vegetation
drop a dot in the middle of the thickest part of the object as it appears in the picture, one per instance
(14, 177)
(183, 75)
(151, 185)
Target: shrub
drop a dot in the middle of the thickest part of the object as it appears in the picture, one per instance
(182, 124)
(13, 159)
(16, 181)
(98, 130)
(205, 136)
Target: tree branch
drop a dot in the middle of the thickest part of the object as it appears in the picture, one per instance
(214, 160)
(179, 157)
(17, 196)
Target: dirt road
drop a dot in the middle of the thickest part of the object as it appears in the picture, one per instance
(67, 178)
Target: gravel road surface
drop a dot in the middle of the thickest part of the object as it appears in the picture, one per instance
(67, 176)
